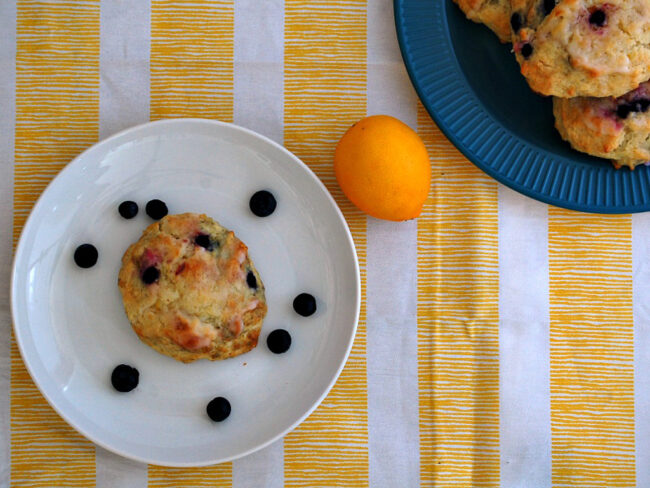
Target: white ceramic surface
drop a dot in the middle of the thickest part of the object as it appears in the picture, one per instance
(71, 327)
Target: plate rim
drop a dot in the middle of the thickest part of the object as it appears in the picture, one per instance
(399, 6)
(29, 222)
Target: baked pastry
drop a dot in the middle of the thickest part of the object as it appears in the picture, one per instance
(493, 13)
(612, 128)
(528, 14)
(582, 47)
(190, 290)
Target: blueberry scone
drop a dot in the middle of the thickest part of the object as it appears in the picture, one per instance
(582, 47)
(493, 13)
(190, 290)
(612, 128)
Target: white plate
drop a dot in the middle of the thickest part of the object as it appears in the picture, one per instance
(71, 327)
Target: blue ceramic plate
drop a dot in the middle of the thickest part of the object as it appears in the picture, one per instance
(470, 84)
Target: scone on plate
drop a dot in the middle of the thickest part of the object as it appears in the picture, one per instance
(493, 13)
(582, 47)
(190, 290)
(612, 128)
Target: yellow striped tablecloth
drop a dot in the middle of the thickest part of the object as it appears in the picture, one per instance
(501, 342)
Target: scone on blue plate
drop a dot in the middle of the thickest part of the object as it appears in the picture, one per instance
(190, 290)
(572, 48)
(609, 127)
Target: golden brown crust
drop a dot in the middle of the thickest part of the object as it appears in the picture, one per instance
(201, 306)
(493, 13)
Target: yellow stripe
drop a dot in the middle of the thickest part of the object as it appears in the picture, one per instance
(458, 364)
(192, 76)
(192, 59)
(325, 92)
(592, 350)
(57, 109)
(208, 477)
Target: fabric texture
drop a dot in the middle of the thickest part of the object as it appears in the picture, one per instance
(501, 342)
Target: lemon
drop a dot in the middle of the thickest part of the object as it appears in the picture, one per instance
(382, 166)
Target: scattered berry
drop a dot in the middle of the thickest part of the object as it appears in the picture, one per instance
(86, 256)
(156, 209)
(251, 280)
(128, 209)
(640, 105)
(549, 5)
(279, 341)
(125, 378)
(304, 304)
(150, 275)
(526, 50)
(598, 18)
(643, 104)
(515, 22)
(218, 409)
(262, 203)
(203, 240)
(623, 111)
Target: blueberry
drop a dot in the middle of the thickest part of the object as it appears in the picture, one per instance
(150, 275)
(262, 203)
(635, 106)
(623, 111)
(304, 304)
(125, 378)
(279, 341)
(515, 22)
(644, 104)
(203, 240)
(156, 209)
(86, 256)
(526, 50)
(598, 18)
(640, 105)
(251, 280)
(549, 5)
(128, 209)
(218, 409)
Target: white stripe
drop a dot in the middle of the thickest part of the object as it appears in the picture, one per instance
(114, 471)
(524, 344)
(392, 367)
(262, 468)
(258, 104)
(641, 310)
(124, 65)
(259, 67)
(389, 89)
(7, 132)
(123, 102)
